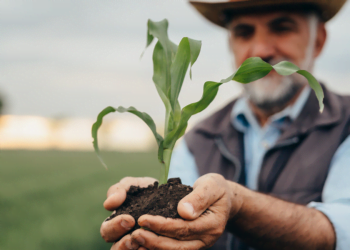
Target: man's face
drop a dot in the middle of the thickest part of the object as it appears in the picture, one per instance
(275, 37)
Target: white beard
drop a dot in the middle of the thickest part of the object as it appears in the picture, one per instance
(273, 92)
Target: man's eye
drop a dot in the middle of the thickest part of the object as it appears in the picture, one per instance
(243, 32)
(282, 28)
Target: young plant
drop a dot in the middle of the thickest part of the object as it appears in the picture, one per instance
(170, 65)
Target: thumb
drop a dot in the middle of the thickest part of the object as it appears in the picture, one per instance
(206, 191)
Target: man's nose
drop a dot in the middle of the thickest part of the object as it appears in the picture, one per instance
(263, 47)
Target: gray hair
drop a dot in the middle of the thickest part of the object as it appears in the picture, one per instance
(314, 20)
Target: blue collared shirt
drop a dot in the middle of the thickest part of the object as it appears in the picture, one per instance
(257, 140)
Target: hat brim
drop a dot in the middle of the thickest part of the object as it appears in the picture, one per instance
(215, 12)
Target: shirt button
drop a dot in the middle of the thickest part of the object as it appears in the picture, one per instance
(265, 145)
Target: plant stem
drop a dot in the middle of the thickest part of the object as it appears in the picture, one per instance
(167, 158)
(167, 125)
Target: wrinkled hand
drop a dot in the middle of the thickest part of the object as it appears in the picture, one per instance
(114, 229)
(206, 211)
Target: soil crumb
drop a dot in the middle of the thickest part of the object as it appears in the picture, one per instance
(153, 200)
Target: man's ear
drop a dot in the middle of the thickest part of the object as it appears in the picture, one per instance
(320, 39)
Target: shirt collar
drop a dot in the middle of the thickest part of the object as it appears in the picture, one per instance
(242, 116)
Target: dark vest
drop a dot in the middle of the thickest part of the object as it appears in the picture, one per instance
(295, 169)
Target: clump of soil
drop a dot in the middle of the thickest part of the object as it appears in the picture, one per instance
(153, 200)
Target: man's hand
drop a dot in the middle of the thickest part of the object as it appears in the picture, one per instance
(206, 211)
(260, 220)
(114, 229)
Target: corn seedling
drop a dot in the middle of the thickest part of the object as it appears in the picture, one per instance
(170, 65)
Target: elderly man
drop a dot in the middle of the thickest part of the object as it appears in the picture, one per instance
(268, 170)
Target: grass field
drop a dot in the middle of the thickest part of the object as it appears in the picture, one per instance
(53, 199)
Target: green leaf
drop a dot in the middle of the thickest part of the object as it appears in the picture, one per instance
(95, 128)
(178, 69)
(163, 54)
(255, 68)
(160, 75)
(285, 68)
(314, 84)
(144, 116)
(150, 38)
(195, 47)
(160, 70)
(210, 90)
(160, 31)
(251, 70)
(169, 67)
(148, 43)
(187, 53)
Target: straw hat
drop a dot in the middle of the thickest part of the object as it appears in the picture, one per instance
(217, 12)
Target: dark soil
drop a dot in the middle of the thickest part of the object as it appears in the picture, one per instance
(153, 200)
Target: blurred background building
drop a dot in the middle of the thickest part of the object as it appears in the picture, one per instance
(42, 133)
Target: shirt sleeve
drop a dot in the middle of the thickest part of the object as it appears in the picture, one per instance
(183, 164)
(336, 195)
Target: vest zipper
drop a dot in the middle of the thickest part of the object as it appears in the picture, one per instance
(229, 156)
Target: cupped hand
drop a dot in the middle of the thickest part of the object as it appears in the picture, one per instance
(115, 228)
(206, 211)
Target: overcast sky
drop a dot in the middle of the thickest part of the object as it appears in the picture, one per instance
(73, 58)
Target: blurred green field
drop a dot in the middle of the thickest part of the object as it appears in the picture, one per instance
(53, 199)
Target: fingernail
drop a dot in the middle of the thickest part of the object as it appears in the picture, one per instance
(125, 224)
(188, 206)
(109, 195)
(112, 194)
(128, 244)
(140, 240)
